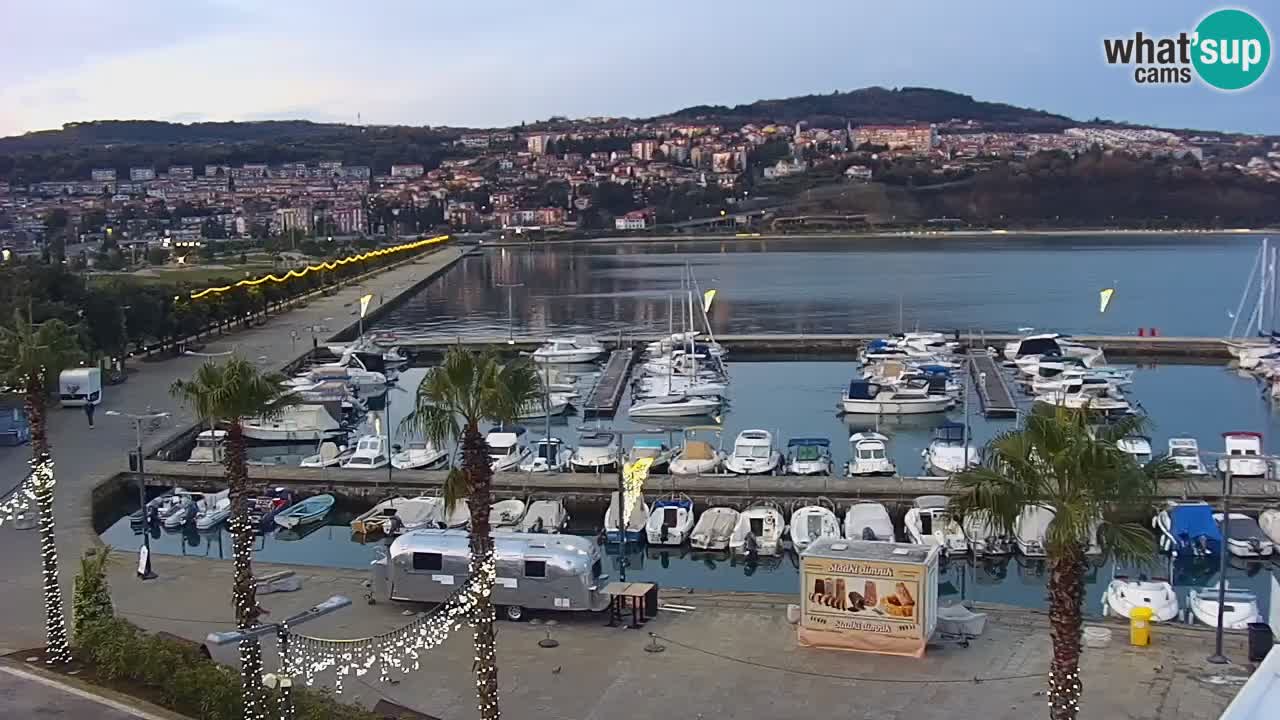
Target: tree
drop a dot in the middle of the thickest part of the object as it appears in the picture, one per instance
(31, 357)
(1058, 460)
(228, 393)
(157, 256)
(454, 398)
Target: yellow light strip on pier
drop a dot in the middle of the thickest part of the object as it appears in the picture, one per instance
(323, 266)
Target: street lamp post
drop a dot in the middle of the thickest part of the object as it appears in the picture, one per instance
(1218, 657)
(282, 631)
(144, 571)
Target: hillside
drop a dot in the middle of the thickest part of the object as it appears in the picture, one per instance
(878, 105)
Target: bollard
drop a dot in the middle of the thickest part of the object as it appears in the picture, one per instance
(1142, 332)
(1155, 332)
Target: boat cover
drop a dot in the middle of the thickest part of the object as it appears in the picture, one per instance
(863, 390)
(950, 432)
(698, 450)
(935, 370)
(1244, 528)
(1188, 522)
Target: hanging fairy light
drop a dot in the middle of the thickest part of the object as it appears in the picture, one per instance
(18, 504)
(399, 649)
(58, 650)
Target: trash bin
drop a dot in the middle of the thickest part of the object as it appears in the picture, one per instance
(651, 602)
(1260, 641)
(1140, 626)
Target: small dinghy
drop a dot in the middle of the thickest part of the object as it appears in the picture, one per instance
(1245, 538)
(158, 508)
(182, 509)
(1240, 607)
(633, 527)
(311, 510)
(868, 521)
(1187, 529)
(714, 528)
(419, 455)
(506, 514)
(544, 516)
(212, 510)
(1123, 595)
(670, 522)
(811, 523)
(760, 528)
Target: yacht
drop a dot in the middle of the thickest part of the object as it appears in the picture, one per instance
(1137, 447)
(1107, 401)
(753, 454)
(507, 448)
(366, 347)
(299, 423)
(419, 455)
(912, 398)
(674, 406)
(370, 454)
(568, 350)
(1185, 452)
(928, 522)
(549, 455)
(812, 522)
(1244, 449)
(868, 521)
(697, 457)
(597, 452)
(760, 528)
(209, 447)
(949, 453)
(808, 456)
(714, 528)
(869, 455)
(1052, 344)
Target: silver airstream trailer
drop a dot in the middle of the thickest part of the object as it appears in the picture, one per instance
(535, 571)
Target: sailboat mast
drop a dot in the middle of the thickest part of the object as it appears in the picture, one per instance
(1262, 285)
(1244, 295)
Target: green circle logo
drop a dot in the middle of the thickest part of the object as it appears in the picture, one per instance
(1232, 49)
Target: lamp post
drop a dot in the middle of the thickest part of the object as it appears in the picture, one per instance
(1218, 657)
(144, 571)
(281, 631)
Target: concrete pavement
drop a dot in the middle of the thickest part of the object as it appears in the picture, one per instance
(85, 457)
(27, 692)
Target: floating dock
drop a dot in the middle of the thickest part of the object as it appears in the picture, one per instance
(993, 389)
(605, 396)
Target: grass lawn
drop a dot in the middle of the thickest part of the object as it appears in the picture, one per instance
(194, 274)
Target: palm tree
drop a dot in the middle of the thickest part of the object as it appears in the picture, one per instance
(1059, 460)
(31, 357)
(454, 398)
(229, 393)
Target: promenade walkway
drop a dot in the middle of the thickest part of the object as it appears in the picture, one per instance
(84, 457)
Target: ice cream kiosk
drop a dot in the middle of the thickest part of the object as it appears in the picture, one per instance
(868, 596)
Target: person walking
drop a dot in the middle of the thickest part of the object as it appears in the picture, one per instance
(88, 411)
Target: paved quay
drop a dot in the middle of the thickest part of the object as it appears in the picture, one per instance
(85, 457)
(733, 656)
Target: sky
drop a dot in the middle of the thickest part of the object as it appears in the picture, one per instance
(499, 62)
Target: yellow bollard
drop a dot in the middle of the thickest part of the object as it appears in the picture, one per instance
(1140, 626)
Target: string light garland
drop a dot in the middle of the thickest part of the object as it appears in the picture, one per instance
(18, 504)
(400, 649)
(245, 602)
(334, 265)
(57, 647)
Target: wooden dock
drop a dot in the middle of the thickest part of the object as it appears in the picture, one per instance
(993, 389)
(605, 396)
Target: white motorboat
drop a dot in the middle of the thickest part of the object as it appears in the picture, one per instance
(368, 383)
(549, 455)
(419, 455)
(984, 538)
(568, 350)
(597, 452)
(1187, 529)
(1245, 537)
(1108, 401)
(652, 449)
(1239, 607)
(430, 511)
(1137, 447)
(1087, 381)
(299, 423)
(753, 454)
(714, 528)
(674, 406)
(390, 355)
(181, 509)
(507, 448)
(1185, 452)
(869, 455)
(697, 456)
(376, 519)
(948, 452)
(212, 510)
(545, 516)
(812, 522)
(1031, 528)
(864, 397)
(328, 454)
(760, 529)
(1269, 521)
(637, 515)
(1244, 449)
(928, 522)
(552, 405)
(1052, 344)
(209, 447)
(808, 456)
(506, 514)
(868, 521)
(1124, 595)
(370, 454)
(708, 386)
(670, 521)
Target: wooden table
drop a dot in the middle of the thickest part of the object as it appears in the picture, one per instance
(619, 593)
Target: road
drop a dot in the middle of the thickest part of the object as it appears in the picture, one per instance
(27, 695)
